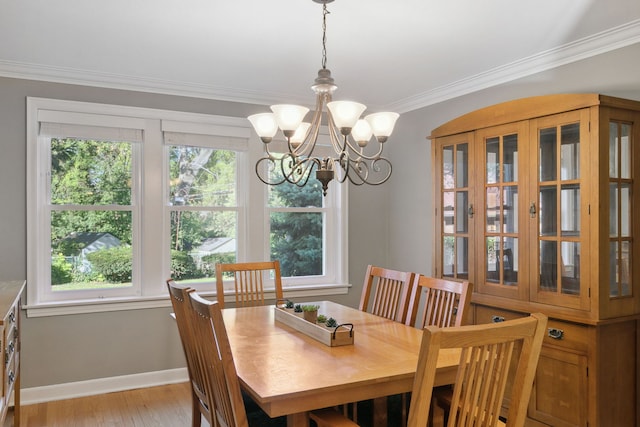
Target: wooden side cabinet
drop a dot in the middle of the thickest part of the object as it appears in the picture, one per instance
(537, 203)
(10, 306)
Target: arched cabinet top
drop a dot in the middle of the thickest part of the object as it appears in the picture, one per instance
(527, 108)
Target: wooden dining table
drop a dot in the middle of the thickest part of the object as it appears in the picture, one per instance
(289, 373)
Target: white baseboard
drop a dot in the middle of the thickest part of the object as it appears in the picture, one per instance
(49, 393)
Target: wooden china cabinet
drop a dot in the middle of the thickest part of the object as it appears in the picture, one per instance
(537, 203)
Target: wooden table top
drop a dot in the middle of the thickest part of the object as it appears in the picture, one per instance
(287, 372)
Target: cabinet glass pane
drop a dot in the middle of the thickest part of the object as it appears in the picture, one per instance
(548, 219)
(510, 158)
(492, 266)
(613, 209)
(462, 251)
(493, 160)
(510, 209)
(570, 151)
(547, 146)
(493, 209)
(625, 151)
(548, 265)
(570, 209)
(462, 165)
(462, 207)
(447, 256)
(625, 210)
(447, 167)
(625, 269)
(448, 199)
(613, 150)
(614, 269)
(570, 257)
(509, 258)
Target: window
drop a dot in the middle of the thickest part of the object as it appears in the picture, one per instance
(121, 198)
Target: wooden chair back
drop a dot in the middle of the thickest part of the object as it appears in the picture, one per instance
(445, 302)
(483, 372)
(179, 296)
(249, 279)
(215, 359)
(387, 293)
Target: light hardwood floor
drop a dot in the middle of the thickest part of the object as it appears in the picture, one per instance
(163, 406)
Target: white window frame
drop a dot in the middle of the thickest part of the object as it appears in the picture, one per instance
(150, 206)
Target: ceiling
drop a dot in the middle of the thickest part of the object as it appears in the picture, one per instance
(396, 54)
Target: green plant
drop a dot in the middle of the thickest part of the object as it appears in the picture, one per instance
(61, 270)
(322, 318)
(310, 307)
(297, 308)
(288, 304)
(331, 322)
(113, 263)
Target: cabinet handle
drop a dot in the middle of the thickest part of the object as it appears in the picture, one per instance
(532, 210)
(470, 211)
(556, 334)
(497, 319)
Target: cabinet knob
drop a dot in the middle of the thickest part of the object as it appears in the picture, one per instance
(470, 211)
(497, 319)
(532, 210)
(556, 334)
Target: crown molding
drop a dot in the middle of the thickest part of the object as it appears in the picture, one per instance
(612, 39)
(596, 44)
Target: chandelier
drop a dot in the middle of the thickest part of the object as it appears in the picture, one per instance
(349, 135)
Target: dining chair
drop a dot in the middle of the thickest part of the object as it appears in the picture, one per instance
(249, 279)
(387, 293)
(182, 311)
(214, 358)
(482, 376)
(445, 303)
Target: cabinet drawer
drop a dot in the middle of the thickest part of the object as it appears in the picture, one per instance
(484, 314)
(569, 336)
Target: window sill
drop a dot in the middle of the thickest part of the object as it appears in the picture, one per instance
(142, 303)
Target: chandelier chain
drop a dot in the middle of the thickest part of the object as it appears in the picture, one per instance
(325, 12)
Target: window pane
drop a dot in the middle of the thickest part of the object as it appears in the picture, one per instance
(626, 268)
(548, 219)
(296, 241)
(90, 250)
(613, 209)
(447, 256)
(493, 209)
(201, 177)
(492, 256)
(625, 210)
(85, 172)
(290, 195)
(614, 270)
(613, 150)
(570, 209)
(199, 240)
(625, 151)
(509, 259)
(448, 199)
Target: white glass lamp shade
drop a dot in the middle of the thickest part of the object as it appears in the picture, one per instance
(289, 117)
(265, 125)
(361, 132)
(382, 124)
(300, 134)
(345, 114)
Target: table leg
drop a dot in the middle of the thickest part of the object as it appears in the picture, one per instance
(380, 412)
(300, 419)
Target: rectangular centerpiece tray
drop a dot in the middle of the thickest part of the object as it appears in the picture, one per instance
(333, 337)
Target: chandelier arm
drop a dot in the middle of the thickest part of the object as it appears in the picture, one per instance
(271, 166)
(296, 170)
(362, 171)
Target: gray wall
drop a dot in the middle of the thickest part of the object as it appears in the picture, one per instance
(389, 225)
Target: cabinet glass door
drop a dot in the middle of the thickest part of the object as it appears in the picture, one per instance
(557, 212)
(502, 234)
(456, 208)
(620, 210)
